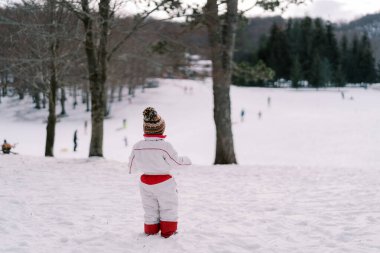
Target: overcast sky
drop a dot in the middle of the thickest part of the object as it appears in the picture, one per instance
(333, 10)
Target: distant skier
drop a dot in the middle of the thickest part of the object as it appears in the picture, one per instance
(126, 141)
(6, 147)
(259, 115)
(342, 94)
(75, 140)
(155, 158)
(242, 113)
(85, 127)
(124, 123)
(268, 101)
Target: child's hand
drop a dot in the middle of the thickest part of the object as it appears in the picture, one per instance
(186, 160)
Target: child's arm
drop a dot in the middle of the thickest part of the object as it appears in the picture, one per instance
(173, 159)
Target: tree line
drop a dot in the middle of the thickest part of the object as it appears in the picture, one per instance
(307, 50)
(86, 45)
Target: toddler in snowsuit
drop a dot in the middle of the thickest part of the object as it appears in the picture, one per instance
(155, 158)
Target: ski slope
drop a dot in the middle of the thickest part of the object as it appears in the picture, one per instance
(308, 178)
(301, 127)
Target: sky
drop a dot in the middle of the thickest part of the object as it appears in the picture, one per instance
(333, 10)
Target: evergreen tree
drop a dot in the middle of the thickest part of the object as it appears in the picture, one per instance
(306, 47)
(353, 59)
(296, 72)
(366, 71)
(277, 52)
(331, 48)
(325, 72)
(315, 72)
(339, 77)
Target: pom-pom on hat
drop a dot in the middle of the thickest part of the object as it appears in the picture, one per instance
(153, 123)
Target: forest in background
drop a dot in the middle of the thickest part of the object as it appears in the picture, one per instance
(307, 52)
(267, 49)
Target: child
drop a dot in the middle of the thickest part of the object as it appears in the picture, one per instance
(155, 158)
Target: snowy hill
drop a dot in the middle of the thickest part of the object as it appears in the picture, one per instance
(50, 205)
(308, 179)
(300, 127)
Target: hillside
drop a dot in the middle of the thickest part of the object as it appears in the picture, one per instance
(307, 182)
(93, 205)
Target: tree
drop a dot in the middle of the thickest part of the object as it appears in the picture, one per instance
(55, 14)
(98, 23)
(296, 72)
(221, 34)
(315, 72)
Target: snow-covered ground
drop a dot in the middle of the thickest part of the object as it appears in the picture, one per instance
(301, 127)
(308, 179)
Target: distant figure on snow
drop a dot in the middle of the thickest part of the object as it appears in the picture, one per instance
(75, 140)
(85, 127)
(155, 158)
(242, 113)
(6, 147)
(342, 94)
(268, 101)
(126, 141)
(124, 123)
(259, 115)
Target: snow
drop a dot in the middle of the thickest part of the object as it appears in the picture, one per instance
(308, 178)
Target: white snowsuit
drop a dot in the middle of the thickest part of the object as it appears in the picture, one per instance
(154, 157)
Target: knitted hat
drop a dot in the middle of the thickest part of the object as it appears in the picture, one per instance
(153, 123)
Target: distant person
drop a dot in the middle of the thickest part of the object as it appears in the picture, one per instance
(6, 147)
(185, 89)
(342, 94)
(242, 113)
(85, 126)
(268, 101)
(126, 141)
(351, 98)
(75, 140)
(124, 123)
(259, 115)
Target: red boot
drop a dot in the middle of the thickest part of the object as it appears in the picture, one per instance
(168, 228)
(151, 229)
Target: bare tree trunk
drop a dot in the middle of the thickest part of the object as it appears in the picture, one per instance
(37, 100)
(222, 42)
(112, 94)
(120, 96)
(97, 66)
(75, 103)
(43, 99)
(63, 100)
(87, 101)
(52, 119)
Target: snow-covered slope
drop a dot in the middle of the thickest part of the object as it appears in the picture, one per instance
(308, 179)
(303, 127)
(49, 205)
